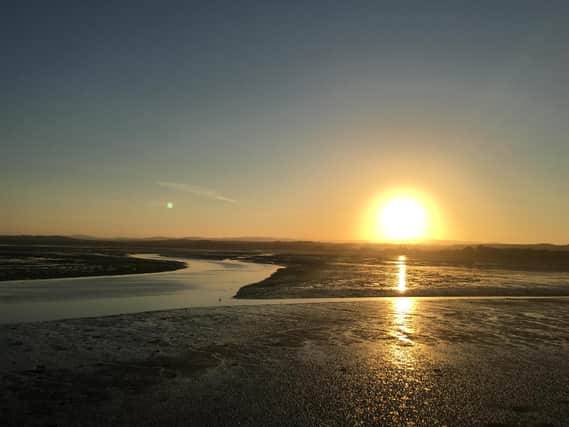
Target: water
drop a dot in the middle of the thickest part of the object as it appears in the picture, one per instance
(208, 283)
(203, 283)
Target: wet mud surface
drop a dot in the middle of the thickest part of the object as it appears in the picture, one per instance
(400, 361)
(49, 263)
(407, 277)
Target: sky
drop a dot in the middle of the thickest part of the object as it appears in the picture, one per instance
(284, 119)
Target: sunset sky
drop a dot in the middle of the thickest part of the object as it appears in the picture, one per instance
(284, 119)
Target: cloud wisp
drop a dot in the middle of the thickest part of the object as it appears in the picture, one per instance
(196, 190)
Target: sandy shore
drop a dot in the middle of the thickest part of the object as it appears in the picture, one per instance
(394, 362)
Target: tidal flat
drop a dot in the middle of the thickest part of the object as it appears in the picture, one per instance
(396, 361)
(457, 337)
(51, 262)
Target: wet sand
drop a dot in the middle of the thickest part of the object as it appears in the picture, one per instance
(399, 361)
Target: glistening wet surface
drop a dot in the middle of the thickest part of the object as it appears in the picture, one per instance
(406, 277)
(391, 361)
(207, 283)
(203, 283)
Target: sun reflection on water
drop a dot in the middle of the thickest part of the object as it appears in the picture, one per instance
(402, 350)
(401, 274)
(402, 316)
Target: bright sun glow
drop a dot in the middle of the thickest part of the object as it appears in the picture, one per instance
(403, 218)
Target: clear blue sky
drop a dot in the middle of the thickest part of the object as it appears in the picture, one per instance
(283, 118)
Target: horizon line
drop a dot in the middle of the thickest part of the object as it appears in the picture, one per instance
(448, 242)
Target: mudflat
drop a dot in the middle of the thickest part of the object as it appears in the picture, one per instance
(400, 361)
(44, 262)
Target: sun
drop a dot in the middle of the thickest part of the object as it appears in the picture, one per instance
(403, 218)
(402, 215)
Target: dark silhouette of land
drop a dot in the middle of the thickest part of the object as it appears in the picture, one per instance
(47, 262)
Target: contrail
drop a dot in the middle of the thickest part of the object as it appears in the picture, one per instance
(196, 190)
